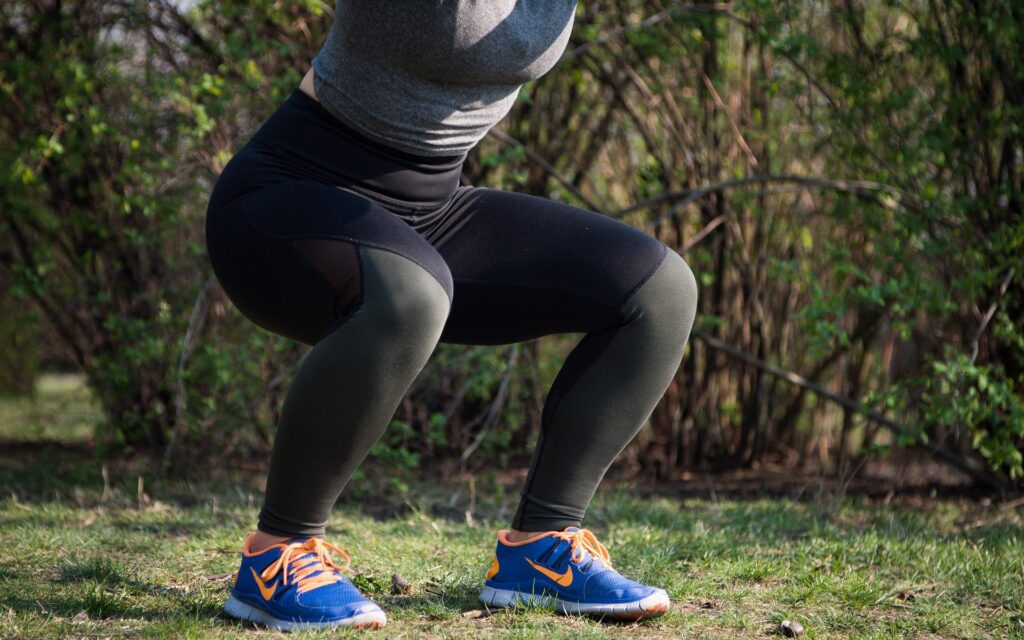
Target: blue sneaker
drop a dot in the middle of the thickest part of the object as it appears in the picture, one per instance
(570, 571)
(296, 585)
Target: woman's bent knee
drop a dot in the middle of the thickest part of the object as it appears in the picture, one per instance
(684, 282)
(401, 297)
(667, 301)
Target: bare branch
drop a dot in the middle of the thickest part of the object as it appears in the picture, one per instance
(987, 318)
(499, 400)
(885, 195)
(504, 138)
(798, 380)
(195, 327)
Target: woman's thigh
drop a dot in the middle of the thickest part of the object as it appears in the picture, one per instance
(289, 254)
(524, 266)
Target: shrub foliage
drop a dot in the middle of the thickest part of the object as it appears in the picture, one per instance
(845, 178)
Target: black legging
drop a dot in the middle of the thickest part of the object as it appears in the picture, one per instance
(373, 256)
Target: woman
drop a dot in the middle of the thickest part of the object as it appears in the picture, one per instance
(341, 223)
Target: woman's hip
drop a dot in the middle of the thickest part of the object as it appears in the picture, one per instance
(301, 138)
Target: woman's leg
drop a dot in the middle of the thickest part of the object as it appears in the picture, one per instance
(523, 267)
(330, 268)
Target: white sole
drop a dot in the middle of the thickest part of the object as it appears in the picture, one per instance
(235, 608)
(650, 607)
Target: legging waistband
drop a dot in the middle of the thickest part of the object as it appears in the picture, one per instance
(303, 131)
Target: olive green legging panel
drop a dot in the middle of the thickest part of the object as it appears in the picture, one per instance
(604, 393)
(348, 388)
(374, 297)
(350, 384)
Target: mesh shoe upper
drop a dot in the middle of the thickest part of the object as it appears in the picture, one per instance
(298, 581)
(570, 565)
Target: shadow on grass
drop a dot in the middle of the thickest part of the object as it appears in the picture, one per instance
(461, 599)
(99, 603)
(105, 588)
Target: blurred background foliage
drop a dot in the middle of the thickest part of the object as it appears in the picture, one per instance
(844, 177)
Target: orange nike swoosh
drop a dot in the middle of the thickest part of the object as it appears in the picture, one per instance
(266, 592)
(563, 579)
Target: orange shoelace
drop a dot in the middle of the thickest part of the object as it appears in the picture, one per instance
(584, 539)
(312, 556)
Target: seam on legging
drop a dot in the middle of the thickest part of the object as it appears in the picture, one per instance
(664, 255)
(348, 184)
(277, 236)
(551, 506)
(362, 274)
(356, 241)
(405, 207)
(323, 276)
(342, 319)
(533, 477)
(241, 197)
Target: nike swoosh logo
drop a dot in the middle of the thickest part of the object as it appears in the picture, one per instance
(563, 579)
(266, 592)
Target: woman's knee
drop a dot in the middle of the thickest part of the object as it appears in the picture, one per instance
(403, 297)
(684, 283)
(667, 300)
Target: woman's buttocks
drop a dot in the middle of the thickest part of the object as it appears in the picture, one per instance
(250, 169)
(294, 208)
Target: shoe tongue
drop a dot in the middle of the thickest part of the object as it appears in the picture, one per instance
(598, 563)
(280, 546)
(584, 553)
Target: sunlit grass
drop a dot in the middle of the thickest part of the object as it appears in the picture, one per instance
(86, 556)
(61, 408)
(86, 565)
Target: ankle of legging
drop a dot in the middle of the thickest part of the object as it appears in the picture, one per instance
(538, 515)
(278, 524)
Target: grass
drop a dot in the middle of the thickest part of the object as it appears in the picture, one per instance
(85, 557)
(60, 408)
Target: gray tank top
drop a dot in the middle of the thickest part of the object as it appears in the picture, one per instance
(431, 77)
